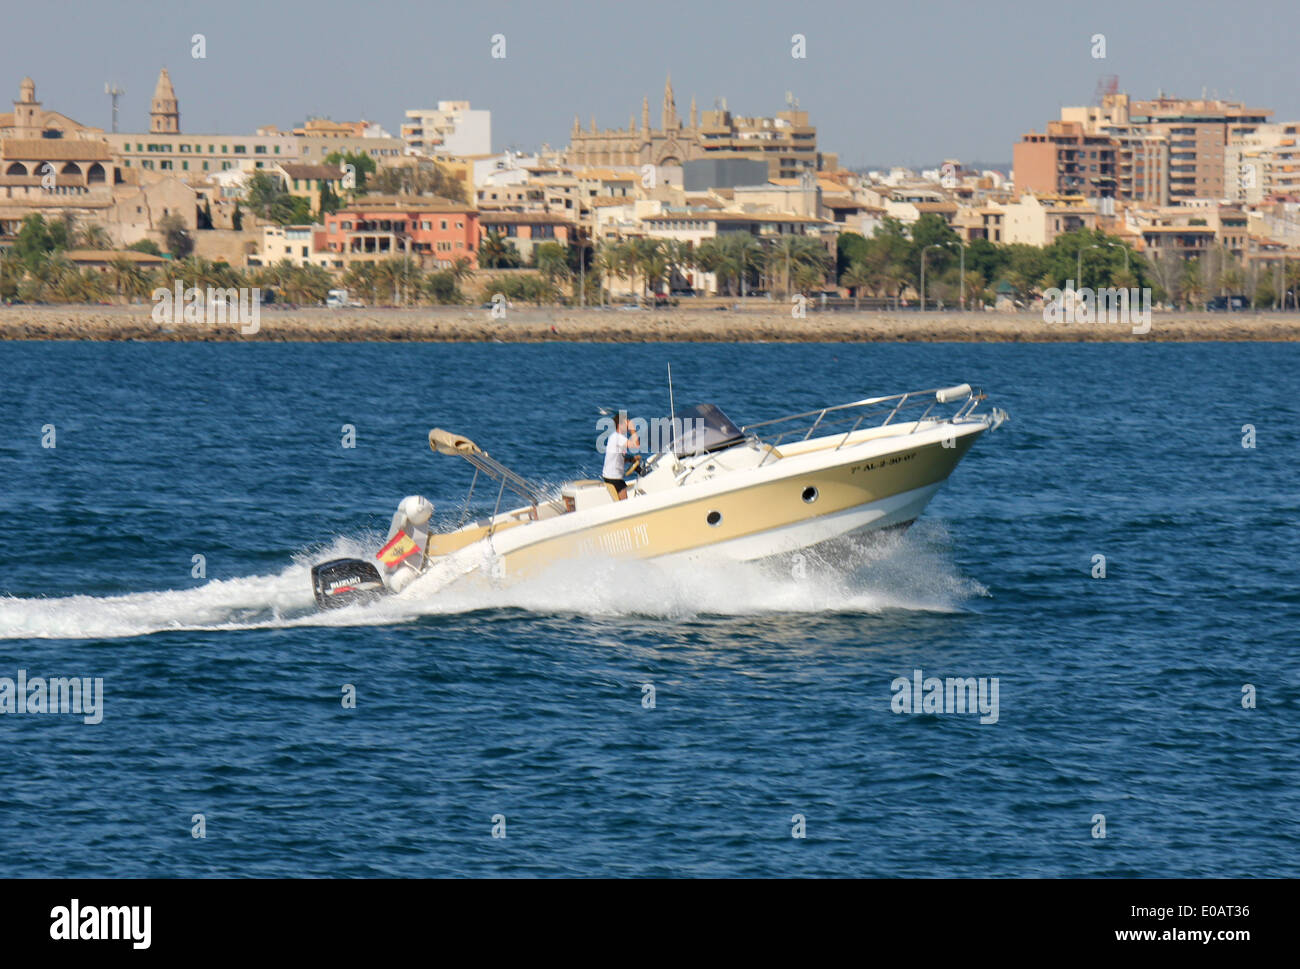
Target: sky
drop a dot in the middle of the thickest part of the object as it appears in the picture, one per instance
(901, 83)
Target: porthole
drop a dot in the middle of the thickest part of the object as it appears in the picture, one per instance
(714, 518)
(810, 494)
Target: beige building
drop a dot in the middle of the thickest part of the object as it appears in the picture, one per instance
(308, 181)
(164, 148)
(1037, 221)
(51, 165)
(696, 226)
(795, 196)
(1263, 163)
(295, 244)
(138, 209)
(1192, 231)
(319, 138)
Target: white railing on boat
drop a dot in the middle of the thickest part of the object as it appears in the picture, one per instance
(860, 411)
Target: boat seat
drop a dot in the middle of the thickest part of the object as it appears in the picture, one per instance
(587, 493)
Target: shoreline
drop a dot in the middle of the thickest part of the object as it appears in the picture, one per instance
(750, 324)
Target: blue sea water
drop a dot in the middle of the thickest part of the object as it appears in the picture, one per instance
(1118, 696)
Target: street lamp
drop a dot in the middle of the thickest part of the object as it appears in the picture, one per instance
(1123, 248)
(1078, 273)
(933, 245)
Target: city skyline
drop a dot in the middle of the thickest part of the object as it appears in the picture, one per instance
(557, 64)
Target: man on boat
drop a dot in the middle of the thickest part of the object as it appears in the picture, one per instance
(616, 448)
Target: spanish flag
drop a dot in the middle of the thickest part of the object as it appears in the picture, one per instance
(398, 550)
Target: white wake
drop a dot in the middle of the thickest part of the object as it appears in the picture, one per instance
(883, 572)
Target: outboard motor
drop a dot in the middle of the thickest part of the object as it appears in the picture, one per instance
(341, 582)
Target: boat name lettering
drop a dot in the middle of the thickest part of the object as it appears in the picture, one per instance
(882, 463)
(617, 542)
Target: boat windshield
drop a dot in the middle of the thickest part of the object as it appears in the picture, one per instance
(701, 428)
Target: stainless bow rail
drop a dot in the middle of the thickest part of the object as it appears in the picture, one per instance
(860, 411)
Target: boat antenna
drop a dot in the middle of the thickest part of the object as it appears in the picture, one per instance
(672, 411)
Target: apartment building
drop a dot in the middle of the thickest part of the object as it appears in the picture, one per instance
(435, 231)
(1192, 231)
(453, 128)
(1167, 149)
(1263, 163)
(1198, 132)
(1066, 160)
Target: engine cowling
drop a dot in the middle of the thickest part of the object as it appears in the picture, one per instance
(342, 582)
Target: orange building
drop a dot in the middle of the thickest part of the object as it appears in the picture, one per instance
(373, 228)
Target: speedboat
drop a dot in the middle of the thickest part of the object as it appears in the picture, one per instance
(714, 489)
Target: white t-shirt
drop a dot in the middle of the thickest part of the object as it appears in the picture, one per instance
(615, 455)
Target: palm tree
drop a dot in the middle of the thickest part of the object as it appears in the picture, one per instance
(782, 258)
(461, 269)
(398, 274)
(976, 292)
(679, 256)
(628, 259)
(894, 278)
(497, 252)
(305, 284)
(801, 257)
(194, 271)
(808, 275)
(363, 278)
(651, 263)
(609, 263)
(94, 236)
(745, 254)
(711, 258)
(126, 278)
(552, 261)
(856, 277)
(12, 271)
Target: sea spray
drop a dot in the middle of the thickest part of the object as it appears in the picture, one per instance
(869, 574)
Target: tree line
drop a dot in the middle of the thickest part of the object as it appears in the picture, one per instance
(886, 267)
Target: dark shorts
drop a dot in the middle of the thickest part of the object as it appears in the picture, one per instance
(618, 483)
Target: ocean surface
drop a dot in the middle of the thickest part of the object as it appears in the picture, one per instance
(525, 709)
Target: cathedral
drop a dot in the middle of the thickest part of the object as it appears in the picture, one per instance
(787, 142)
